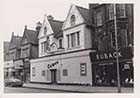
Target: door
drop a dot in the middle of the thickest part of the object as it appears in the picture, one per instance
(53, 76)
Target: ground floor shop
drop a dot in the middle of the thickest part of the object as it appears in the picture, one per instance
(26, 70)
(18, 66)
(64, 68)
(9, 70)
(105, 69)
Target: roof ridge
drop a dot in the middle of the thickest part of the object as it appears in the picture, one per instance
(55, 20)
(81, 7)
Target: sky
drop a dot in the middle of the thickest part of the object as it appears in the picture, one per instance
(15, 14)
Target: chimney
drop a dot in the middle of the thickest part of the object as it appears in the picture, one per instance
(38, 26)
(25, 27)
(12, 33)
(50, 17)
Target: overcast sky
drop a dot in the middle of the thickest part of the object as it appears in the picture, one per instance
(15, 14)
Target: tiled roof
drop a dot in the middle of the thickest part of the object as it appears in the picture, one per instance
(6, 47)
(15, 42)
(31, 36)
(85, 14)
(56, 26)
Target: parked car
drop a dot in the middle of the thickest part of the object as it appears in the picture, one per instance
(13, 82)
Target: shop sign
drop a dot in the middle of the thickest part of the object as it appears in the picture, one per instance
(52, 64)
(125, 53)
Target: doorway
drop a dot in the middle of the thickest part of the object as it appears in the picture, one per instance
(53, 76)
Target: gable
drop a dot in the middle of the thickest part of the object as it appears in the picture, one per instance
(78, 18)
(45, 28)
(24, 39)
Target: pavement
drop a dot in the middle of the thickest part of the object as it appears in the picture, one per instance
(79, 89)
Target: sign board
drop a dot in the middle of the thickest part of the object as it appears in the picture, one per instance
(124, 53)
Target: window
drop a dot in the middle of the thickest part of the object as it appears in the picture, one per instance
(43, 73)
(42, 47)
(33, 71)
(111, 11)
(60, 43)
(78, 39)
(68, 39)
(72, 20)
(99, 18)
(48, 43)
(45, 46)
(123, 35)
(73, 40)
(45, 30)
(113, 40)
(65, 72)
(83, 69)
(25, 52)
(120, 10)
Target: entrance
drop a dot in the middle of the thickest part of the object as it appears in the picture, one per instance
(53, 76)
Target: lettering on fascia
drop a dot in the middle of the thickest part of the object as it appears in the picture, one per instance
(105, 56)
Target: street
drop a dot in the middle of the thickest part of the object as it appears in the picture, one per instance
(29, 90)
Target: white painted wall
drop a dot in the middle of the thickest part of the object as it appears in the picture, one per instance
(70, 61)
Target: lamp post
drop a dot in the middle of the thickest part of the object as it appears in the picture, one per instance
(117, 56)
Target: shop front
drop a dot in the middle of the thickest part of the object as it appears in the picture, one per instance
(105, 69)
(18, 66)
(26, 70)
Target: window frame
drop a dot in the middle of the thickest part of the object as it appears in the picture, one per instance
(83, 70)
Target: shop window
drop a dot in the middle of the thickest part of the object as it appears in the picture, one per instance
(99, 18)
(72, 20)
(65, 72)
(83, 69)
(111, 11)
(33, 71)
(43, 73)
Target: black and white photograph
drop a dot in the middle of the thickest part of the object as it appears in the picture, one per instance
(67, 47)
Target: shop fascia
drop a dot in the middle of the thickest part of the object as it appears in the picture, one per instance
(105, 56)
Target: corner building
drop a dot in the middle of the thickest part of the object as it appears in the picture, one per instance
(64, 49)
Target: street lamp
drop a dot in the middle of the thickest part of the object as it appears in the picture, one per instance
(117, 56)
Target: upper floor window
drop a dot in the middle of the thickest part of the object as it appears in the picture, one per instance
(60, 43)
(120, 10)
(99, 18)
(25, 52)
(111, 11)
(72, 20)
(25, 41)
(73, 39)
(45, 30)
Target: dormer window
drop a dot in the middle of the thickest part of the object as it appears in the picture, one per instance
(45, 30)
(72, 20)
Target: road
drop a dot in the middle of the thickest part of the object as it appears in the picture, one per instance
(29, 90)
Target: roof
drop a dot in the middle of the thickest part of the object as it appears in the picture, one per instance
(56, 26)
(6, 47)
(15, 42)
(31, 36)
(85, 13)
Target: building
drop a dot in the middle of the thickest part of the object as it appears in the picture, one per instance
(64, 50)
(104, 59)
(6, 59)
(14, 54)
(29, 50)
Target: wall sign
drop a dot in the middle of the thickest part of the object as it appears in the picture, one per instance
(125, 53)
(52, 64)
